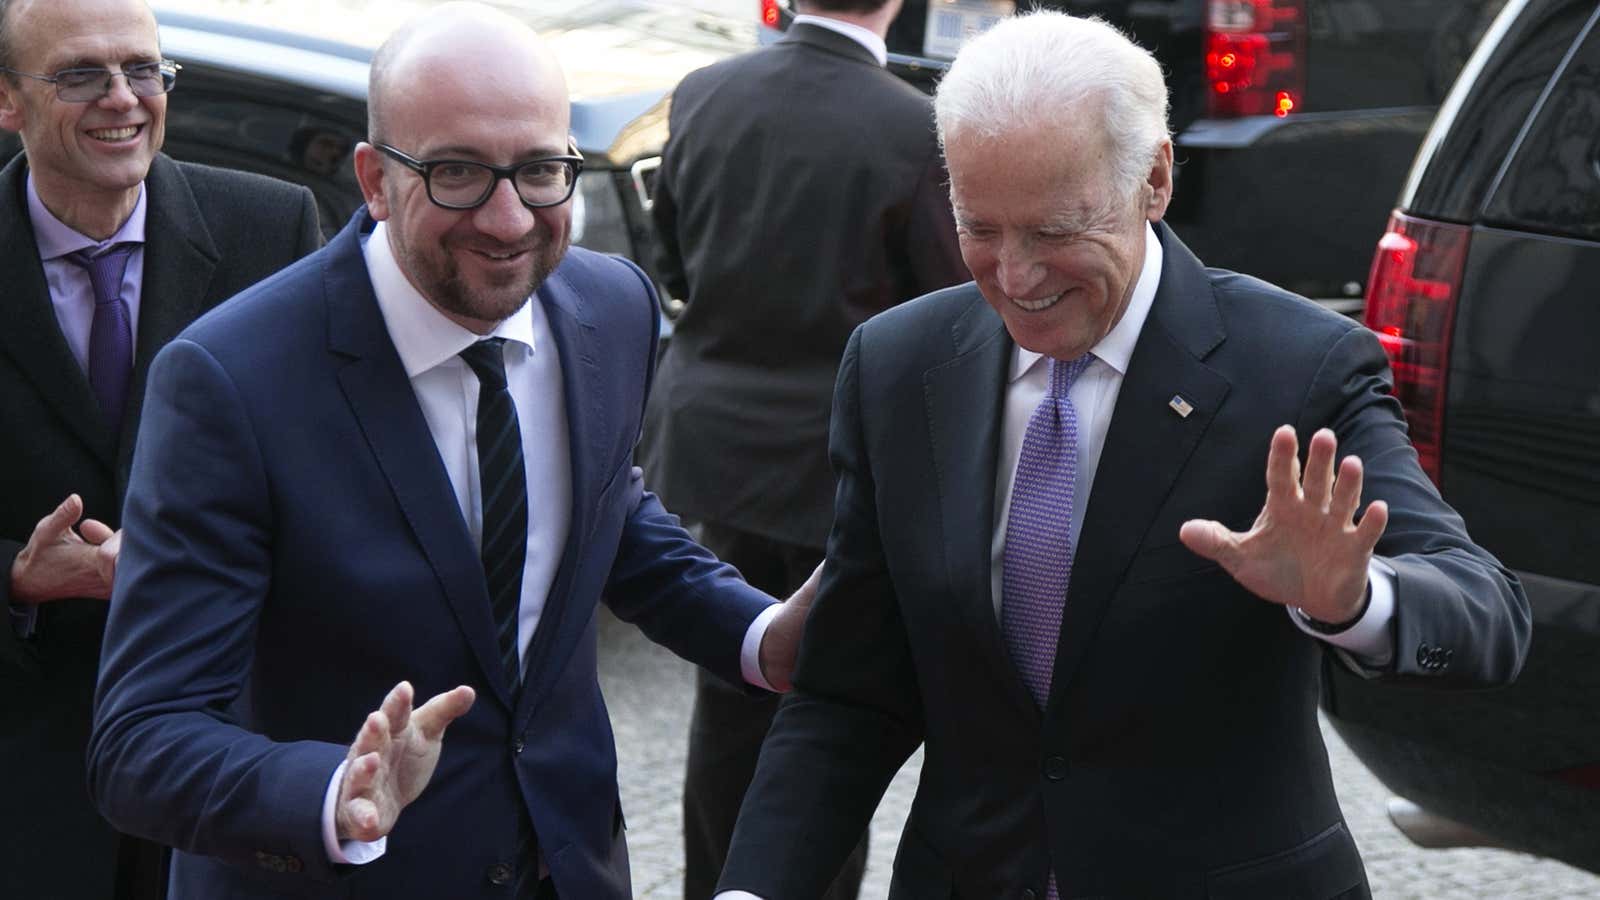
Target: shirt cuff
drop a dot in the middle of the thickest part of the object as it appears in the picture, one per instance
(750, 651)
(353, 853)
(736, 895)
(1369, 640)
(24, 619)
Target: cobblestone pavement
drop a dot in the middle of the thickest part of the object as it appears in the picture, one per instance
(649, 692)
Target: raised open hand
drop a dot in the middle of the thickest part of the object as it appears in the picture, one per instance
(1305, 549)
(392, 759)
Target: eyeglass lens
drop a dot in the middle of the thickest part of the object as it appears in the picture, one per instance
(465, 184)
(144, 80)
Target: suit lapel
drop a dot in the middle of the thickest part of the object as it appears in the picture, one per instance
(573, 332)
(32, 335)
(963, 396)
(179, 259)
(1146, 446)
(381, 397)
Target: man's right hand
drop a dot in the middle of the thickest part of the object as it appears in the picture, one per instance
(59, 562)
(392, 759)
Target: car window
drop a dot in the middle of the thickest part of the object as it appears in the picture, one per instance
(1552, 183)
(274, 128)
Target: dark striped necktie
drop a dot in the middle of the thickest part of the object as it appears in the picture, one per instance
(503, 483)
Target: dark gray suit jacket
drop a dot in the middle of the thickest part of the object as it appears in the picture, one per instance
(210, 233)
(801, 191)
(1178, 754)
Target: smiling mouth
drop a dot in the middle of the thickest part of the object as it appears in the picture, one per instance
(113, 135)
(501, 256)
(1039, 305)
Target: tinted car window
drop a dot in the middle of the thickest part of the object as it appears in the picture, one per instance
(286, 131)
(1452, 179)
(1552, 184)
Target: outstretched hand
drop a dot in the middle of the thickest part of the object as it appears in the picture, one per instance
(1305, 549)
(59, 562)
(392, 759)
(780, 646)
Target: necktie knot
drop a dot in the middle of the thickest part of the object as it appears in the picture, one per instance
(1063, 372)
(488, 362)
(105, 270)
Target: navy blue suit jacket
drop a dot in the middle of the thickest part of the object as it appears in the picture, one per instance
(293, 549)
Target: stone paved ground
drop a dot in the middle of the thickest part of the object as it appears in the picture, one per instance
(649, 692)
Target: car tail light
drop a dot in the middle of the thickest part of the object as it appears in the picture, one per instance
(771, 13)
(1255, 57)
(1411, 305)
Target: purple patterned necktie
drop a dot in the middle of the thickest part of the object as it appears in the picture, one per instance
(111, 333)
(1038, 555)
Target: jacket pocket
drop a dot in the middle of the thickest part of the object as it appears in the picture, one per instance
(1325, 866)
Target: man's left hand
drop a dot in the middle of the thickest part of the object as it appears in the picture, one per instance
(781, 644)
(1305, 548)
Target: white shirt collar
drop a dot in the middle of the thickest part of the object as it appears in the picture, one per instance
(1116, 348)
(863, 36)
(422, 335)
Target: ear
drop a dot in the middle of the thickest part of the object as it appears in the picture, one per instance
(369, 174)
(11, 112)
(1160, 183)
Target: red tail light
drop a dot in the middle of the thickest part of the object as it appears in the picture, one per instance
(771, 13)
(1411, 304)
(1255, 57)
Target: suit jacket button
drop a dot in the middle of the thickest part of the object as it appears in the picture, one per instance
(293, 865)
(1055, 768)
(517, 745)
(1424, 653)
(499, 873)
(1028, 894)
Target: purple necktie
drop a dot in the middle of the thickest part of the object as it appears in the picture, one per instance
(111, 333)
(1038, 555)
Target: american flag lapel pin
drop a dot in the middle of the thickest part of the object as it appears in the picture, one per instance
(1180, 406)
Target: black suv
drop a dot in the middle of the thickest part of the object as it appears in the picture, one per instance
(1483, 293)
(1294, 120)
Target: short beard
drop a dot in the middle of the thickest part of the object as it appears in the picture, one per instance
(449, 291)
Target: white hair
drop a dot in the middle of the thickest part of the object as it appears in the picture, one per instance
(1041, 66)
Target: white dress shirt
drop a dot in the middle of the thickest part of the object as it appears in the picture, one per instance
(428, 343)
(1094, 397)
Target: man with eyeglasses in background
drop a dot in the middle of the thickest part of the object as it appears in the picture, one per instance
(109, 249)
(403, 470)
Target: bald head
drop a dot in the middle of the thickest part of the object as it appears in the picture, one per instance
(460, 47)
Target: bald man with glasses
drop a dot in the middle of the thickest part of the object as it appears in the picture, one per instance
(109, 249)
(385, 493)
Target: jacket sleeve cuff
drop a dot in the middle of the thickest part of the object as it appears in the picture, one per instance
(750, 650)
(1368, 641)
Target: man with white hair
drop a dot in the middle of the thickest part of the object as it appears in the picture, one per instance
(1054, 562)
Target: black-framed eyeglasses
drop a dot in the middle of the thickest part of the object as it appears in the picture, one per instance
(145, 79)
(466, 184)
